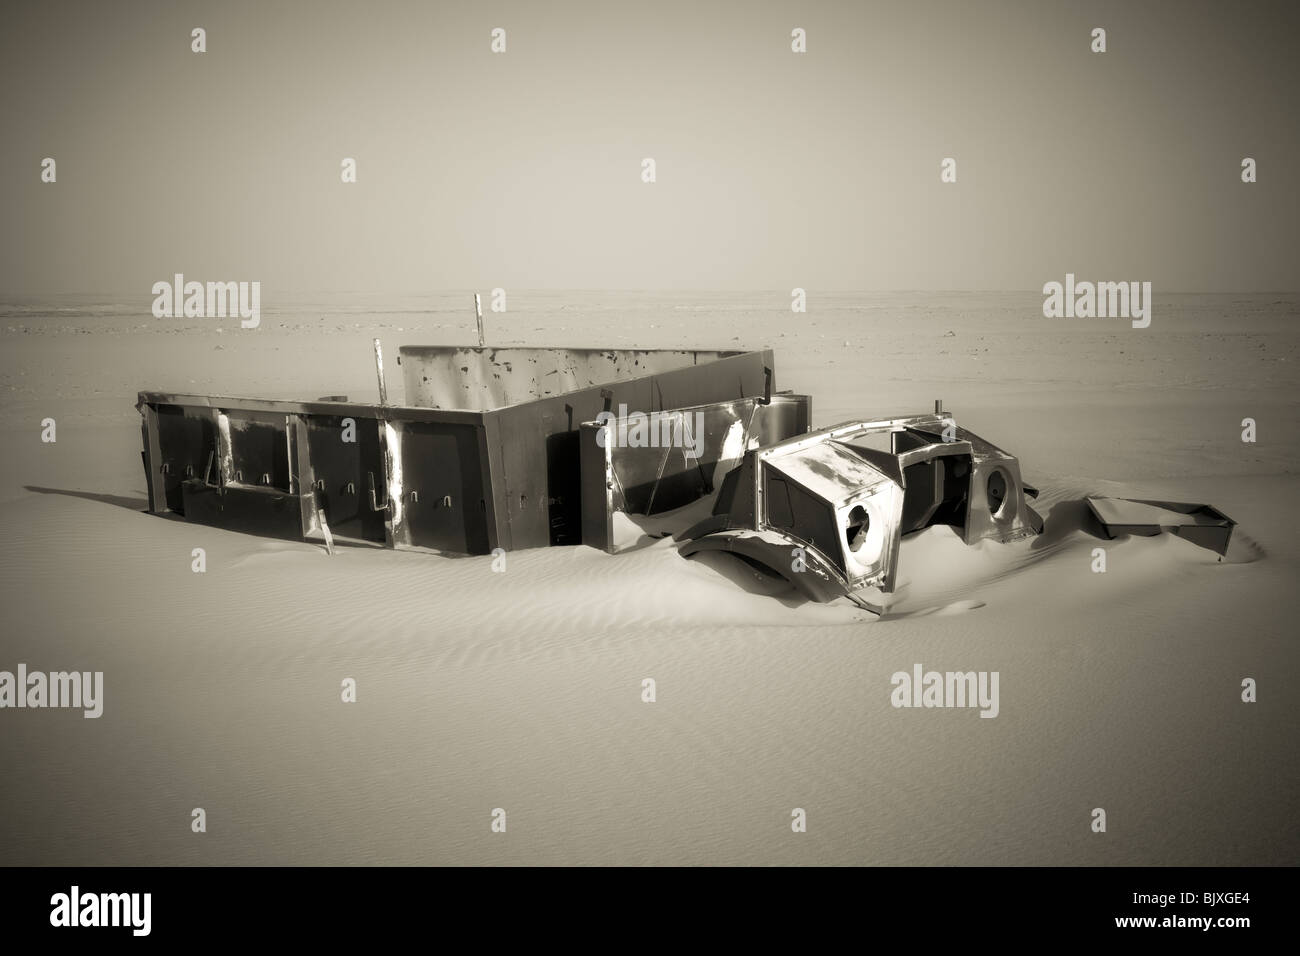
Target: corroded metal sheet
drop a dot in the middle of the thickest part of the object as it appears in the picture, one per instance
(480, 379)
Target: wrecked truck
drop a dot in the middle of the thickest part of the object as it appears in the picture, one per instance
(839, 501)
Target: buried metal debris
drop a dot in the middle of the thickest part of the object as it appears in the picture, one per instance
(509, 448)
(827, 510)
(1202, 525)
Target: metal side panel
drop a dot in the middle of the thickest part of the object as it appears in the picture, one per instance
(485, 435)
(524, 503)
(841, 506)
(599, 497)
(343, 454)
(997, 507)
(437, 488)
(186, 444)
(303, 483)
(492, 462)
(484, 378)
(268, 512)
(155, 481)
(540, 454)
(195, 403)
(648, 465)
(254, 448)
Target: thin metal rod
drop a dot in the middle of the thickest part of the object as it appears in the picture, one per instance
(478, 317)
(379, 371)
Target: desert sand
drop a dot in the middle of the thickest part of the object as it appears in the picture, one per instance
(522, 690)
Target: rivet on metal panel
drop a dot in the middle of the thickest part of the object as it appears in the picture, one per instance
(266, 478)
(166, 469)
(446, 501)
(415, 497)
(352, 488)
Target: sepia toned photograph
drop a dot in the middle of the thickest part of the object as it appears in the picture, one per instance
(613, 435)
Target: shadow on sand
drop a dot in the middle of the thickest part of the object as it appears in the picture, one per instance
(120, 501)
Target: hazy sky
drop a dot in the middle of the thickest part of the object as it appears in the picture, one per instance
(523, 169)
